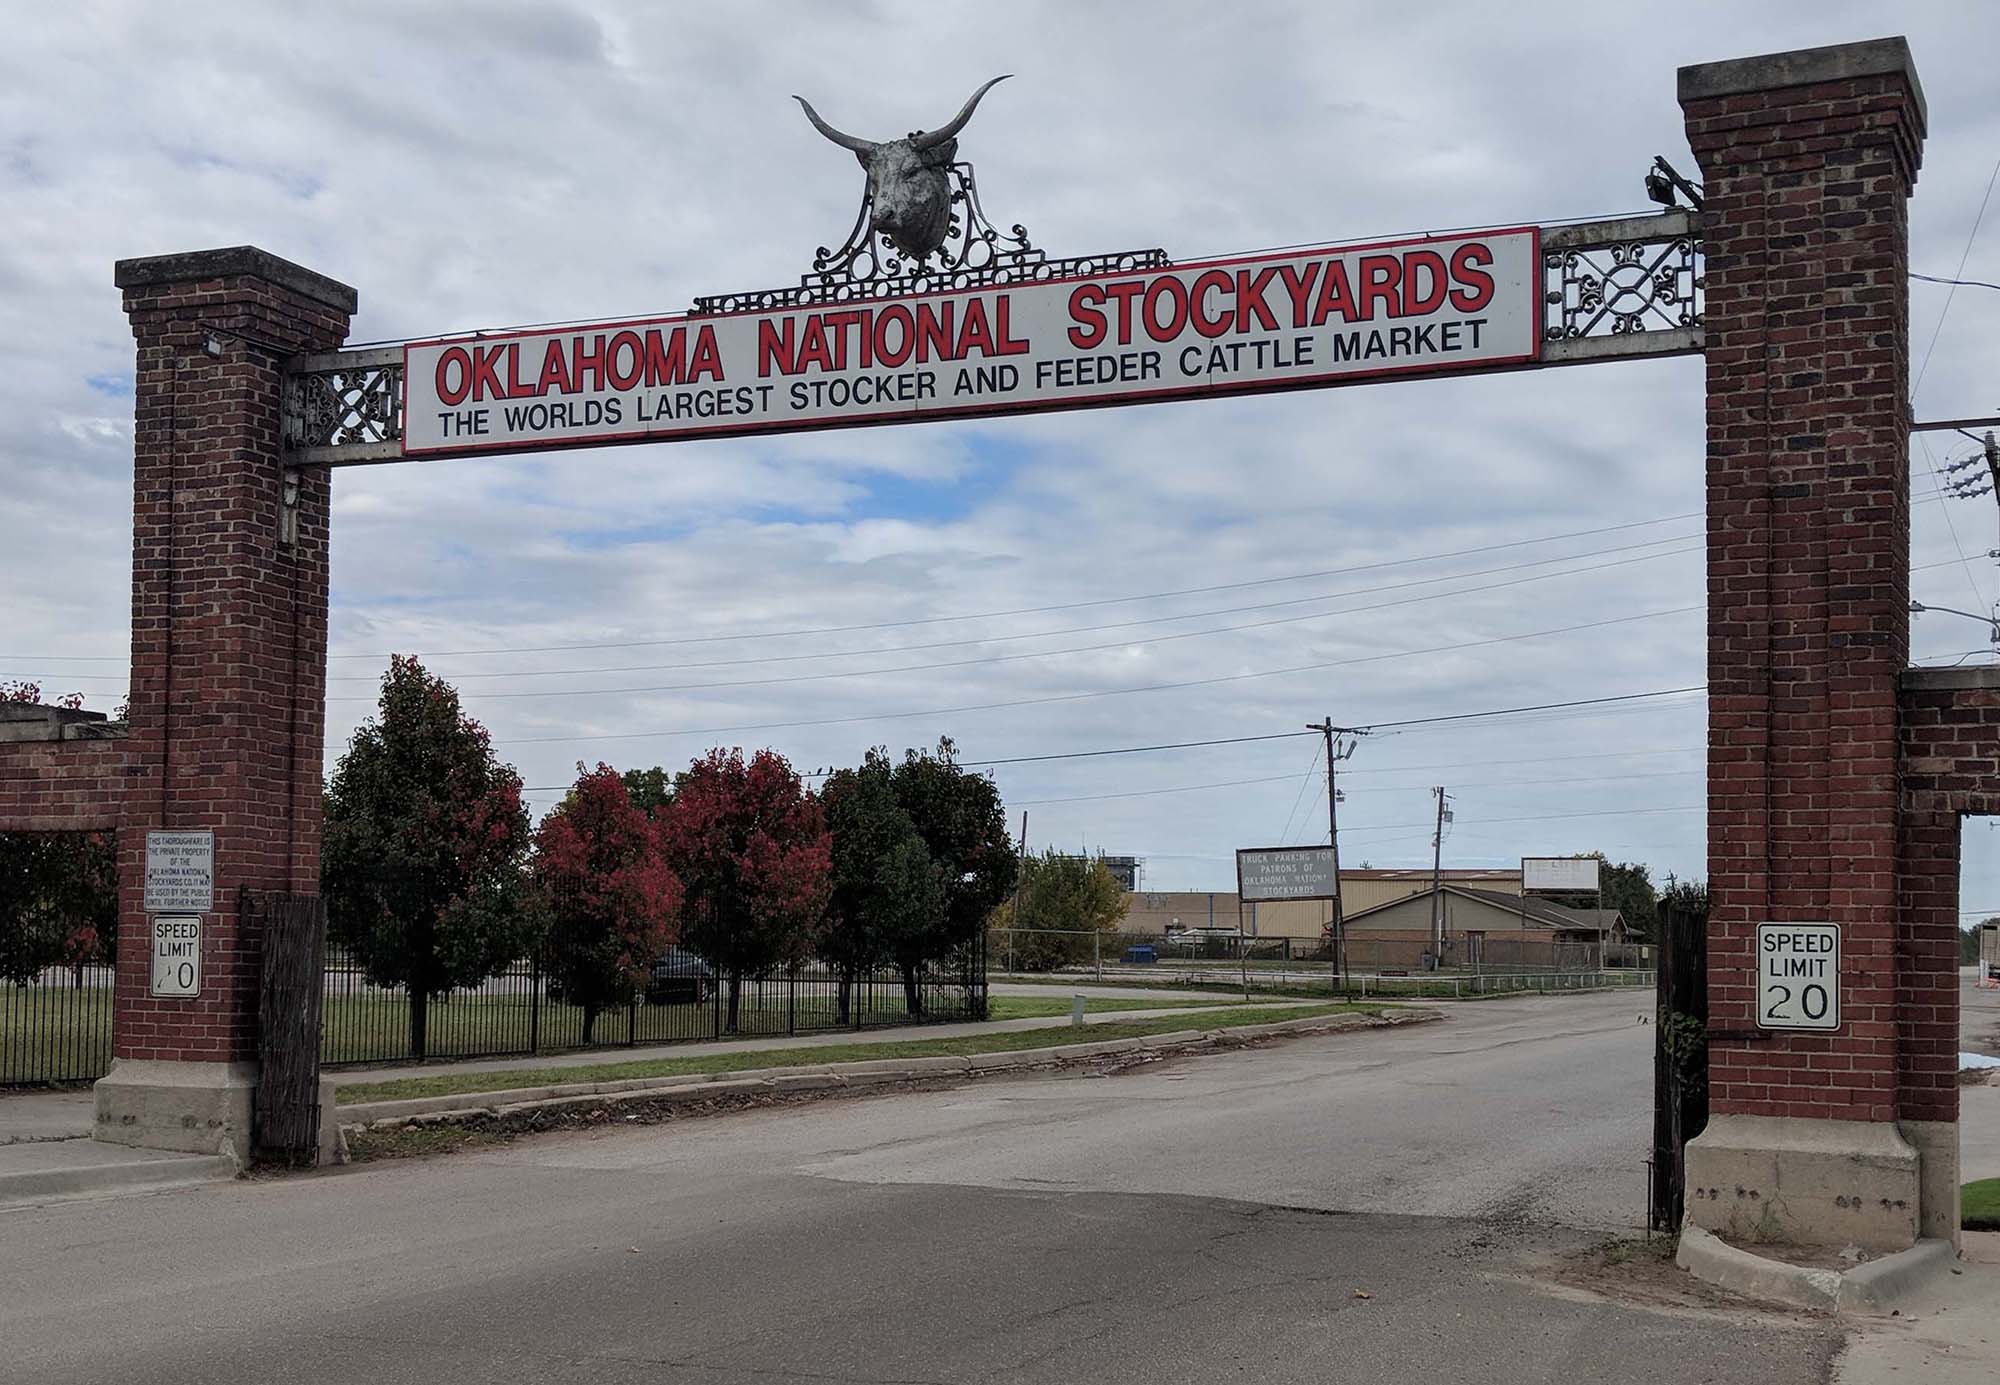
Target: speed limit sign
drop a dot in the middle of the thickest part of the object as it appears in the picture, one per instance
(177, 954)
(1798, 976)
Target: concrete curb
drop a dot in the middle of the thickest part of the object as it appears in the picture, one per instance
(84, 1180)
(1879, 1284)
(687, 1088)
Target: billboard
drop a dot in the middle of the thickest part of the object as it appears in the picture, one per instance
(1267, 873)
(1559, 874)
(1282, 320)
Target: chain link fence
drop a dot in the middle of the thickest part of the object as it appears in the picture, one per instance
(1469, 964)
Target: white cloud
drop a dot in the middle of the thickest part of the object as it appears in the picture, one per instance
(481, 164)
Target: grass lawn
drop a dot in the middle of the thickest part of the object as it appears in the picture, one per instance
(1981, 1211)
(58, 1034)
(1007, 1041)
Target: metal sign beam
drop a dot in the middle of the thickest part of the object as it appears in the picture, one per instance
(1614, 289)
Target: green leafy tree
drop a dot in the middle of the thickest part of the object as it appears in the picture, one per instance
(58, 890)
(650, 790)
(884, 886)
(58, 902)
(423, 860)
(1968, 942)
(751, 851)
(1063, 901)
(608, 896)
(1626, 886)
(964, 827)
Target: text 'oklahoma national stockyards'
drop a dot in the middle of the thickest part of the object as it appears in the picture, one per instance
(1258, 323)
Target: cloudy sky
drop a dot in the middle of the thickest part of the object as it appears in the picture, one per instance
(1428, 548)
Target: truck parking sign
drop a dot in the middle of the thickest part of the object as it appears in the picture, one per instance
(1798, 976)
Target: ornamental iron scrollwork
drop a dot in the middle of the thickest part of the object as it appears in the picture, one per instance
(345, 400)
(973, 254)
(1624, 287)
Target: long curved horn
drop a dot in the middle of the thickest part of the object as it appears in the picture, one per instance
(859, 146)
(930, 139)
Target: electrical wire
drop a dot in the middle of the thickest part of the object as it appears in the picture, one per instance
(1057, 698)
(1956, 283)
(985, 659)
(1071, 629)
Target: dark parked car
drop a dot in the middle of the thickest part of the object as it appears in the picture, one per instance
(679, 978)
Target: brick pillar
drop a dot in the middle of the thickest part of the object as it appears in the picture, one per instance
(228, 695)
(1808, 160)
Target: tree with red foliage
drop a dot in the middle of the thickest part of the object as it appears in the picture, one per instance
(424, 855)
(608, 896)
(750, 847)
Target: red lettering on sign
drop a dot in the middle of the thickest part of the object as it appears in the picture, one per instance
(1086, 310)
(452, 358)
(1214, 324)
(1424, 282)
(1381, 280)
(1476, 285)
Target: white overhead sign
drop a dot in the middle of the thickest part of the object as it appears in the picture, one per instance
(1270, 873)
(1559, 874)
(176, 955)
(1798, 976)
(180, 872)
(1262, 322)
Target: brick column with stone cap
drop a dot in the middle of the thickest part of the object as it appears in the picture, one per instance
(228, 693)
(1808, 160)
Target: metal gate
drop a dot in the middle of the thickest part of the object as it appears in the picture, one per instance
(1680, 1057)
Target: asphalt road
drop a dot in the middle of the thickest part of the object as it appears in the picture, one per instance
(1165, 1225)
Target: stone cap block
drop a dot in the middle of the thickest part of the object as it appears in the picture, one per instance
(1949, 679)
(1805, 67)
(236, 261)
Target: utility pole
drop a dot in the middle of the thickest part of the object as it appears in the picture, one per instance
(1335, 753)
(1437, 879)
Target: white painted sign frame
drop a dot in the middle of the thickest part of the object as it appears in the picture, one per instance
(174, 940)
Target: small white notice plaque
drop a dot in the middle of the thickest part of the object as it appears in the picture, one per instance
(176, 954)
(1798, 976)
(180, 872)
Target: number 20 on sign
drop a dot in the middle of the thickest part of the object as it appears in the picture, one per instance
(1798, 976)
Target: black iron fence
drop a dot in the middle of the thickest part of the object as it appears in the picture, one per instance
(1221, 950)
(522, 1009)
(57, 1027)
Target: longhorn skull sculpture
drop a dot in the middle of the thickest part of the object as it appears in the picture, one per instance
(908, 194)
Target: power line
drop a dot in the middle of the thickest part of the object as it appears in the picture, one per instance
(1066, 630)
(1134, 749)
(974, 615)
(1057, 698)
(1952, 293)
(1956, 283)
(1477, 823)
(1016, 657)
(1061, 606)
(1539, 707)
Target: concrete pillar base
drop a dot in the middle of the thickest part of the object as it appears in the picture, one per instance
(1811, 1182)
(201, 1108)
(1936, 1143)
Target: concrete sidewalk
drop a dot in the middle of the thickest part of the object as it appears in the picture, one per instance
(348, 1077)
(34, 1116)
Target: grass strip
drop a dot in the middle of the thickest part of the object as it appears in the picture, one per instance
(1006, 1041)
(1026, 1007)
(1980, 1205)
